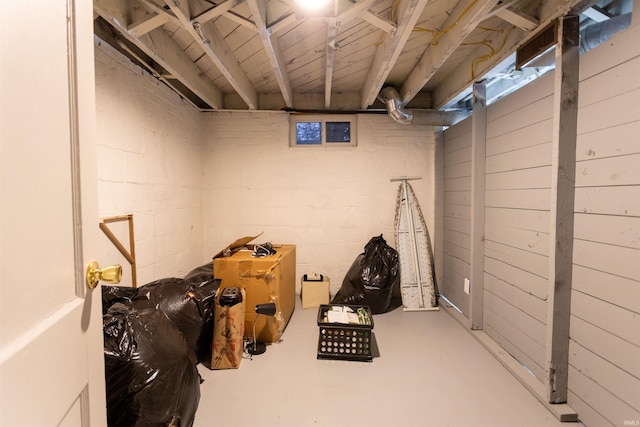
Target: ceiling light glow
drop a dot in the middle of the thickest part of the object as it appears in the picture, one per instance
(312, 4)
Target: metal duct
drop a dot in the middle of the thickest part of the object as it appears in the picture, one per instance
(598, 33)
(391, 99)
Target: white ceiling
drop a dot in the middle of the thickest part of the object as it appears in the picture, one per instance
(272, 55)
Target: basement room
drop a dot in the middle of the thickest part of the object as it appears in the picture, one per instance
(320, 213)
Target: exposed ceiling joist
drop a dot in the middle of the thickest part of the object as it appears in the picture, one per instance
(381, 23)
(214, 46)
(472, 69)
(162, 49)
(337, 58)
(218, 10)
(355, 10)
(140, 28)
(408, 13)
(518, 19)
(272, 49)
(332, 32)
(461, 22)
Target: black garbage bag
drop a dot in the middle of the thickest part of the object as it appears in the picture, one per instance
(189, 305)
(151, 376)
(201, 274)
(371, 278)
(114, 294)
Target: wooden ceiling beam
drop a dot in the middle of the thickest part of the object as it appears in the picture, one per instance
(140, 28)
(360, 10)
(216, 11)
(163, 50)
(332, 33)
(519, 19)
(457, 81)
(466, 16)
(387, 53)
(212, 42)
(224, 9)
(272, 49)
(381, 23)
(355, 11)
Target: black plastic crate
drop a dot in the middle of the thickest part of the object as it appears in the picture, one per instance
(342, 341)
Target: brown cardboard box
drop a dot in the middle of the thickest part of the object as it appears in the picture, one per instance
(268, 279)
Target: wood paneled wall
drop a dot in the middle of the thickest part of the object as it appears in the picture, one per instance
(604, 350)
(604, 347)
(457, 214)
(518, 178)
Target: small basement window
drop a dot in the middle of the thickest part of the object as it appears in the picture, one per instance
(311, 130)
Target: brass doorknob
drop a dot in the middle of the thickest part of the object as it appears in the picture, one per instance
(111, 274)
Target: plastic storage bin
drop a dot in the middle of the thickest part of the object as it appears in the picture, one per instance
(344, 341)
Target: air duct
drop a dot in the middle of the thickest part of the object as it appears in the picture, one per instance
(598, 33)
(391, 99)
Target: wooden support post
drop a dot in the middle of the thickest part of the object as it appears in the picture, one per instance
(565, 117)
(478, 162)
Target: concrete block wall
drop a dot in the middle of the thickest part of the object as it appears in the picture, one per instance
(196, 181)
(328, 201)
(149, 165)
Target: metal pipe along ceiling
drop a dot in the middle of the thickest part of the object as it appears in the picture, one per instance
(391, 99)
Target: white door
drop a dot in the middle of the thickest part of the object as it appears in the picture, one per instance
(51, 359)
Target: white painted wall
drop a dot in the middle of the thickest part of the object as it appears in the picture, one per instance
(327, 201)
(149, 165)
(197, 181)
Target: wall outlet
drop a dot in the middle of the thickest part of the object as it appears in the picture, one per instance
(467, 284)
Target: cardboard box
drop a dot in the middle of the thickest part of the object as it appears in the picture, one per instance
(267, 279)
(314, 292)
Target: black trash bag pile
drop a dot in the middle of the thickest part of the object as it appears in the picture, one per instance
(188, 303)
(201, 274)
(154, 336)
(190, 307)
(151, 375)
(115, 294)
(371, 278)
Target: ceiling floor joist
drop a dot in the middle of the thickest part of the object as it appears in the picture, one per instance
(272, 49)
(461, 22)
(214, 46)
(387, 53)
(160, 47)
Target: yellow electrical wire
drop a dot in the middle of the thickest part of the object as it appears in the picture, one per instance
(441, 33)
(493, 52)
(425, 30)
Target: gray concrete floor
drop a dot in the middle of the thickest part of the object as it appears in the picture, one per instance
(430, 372)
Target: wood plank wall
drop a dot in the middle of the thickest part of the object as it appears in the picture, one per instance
(518, 180)
(457, 214)
(604, 351)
